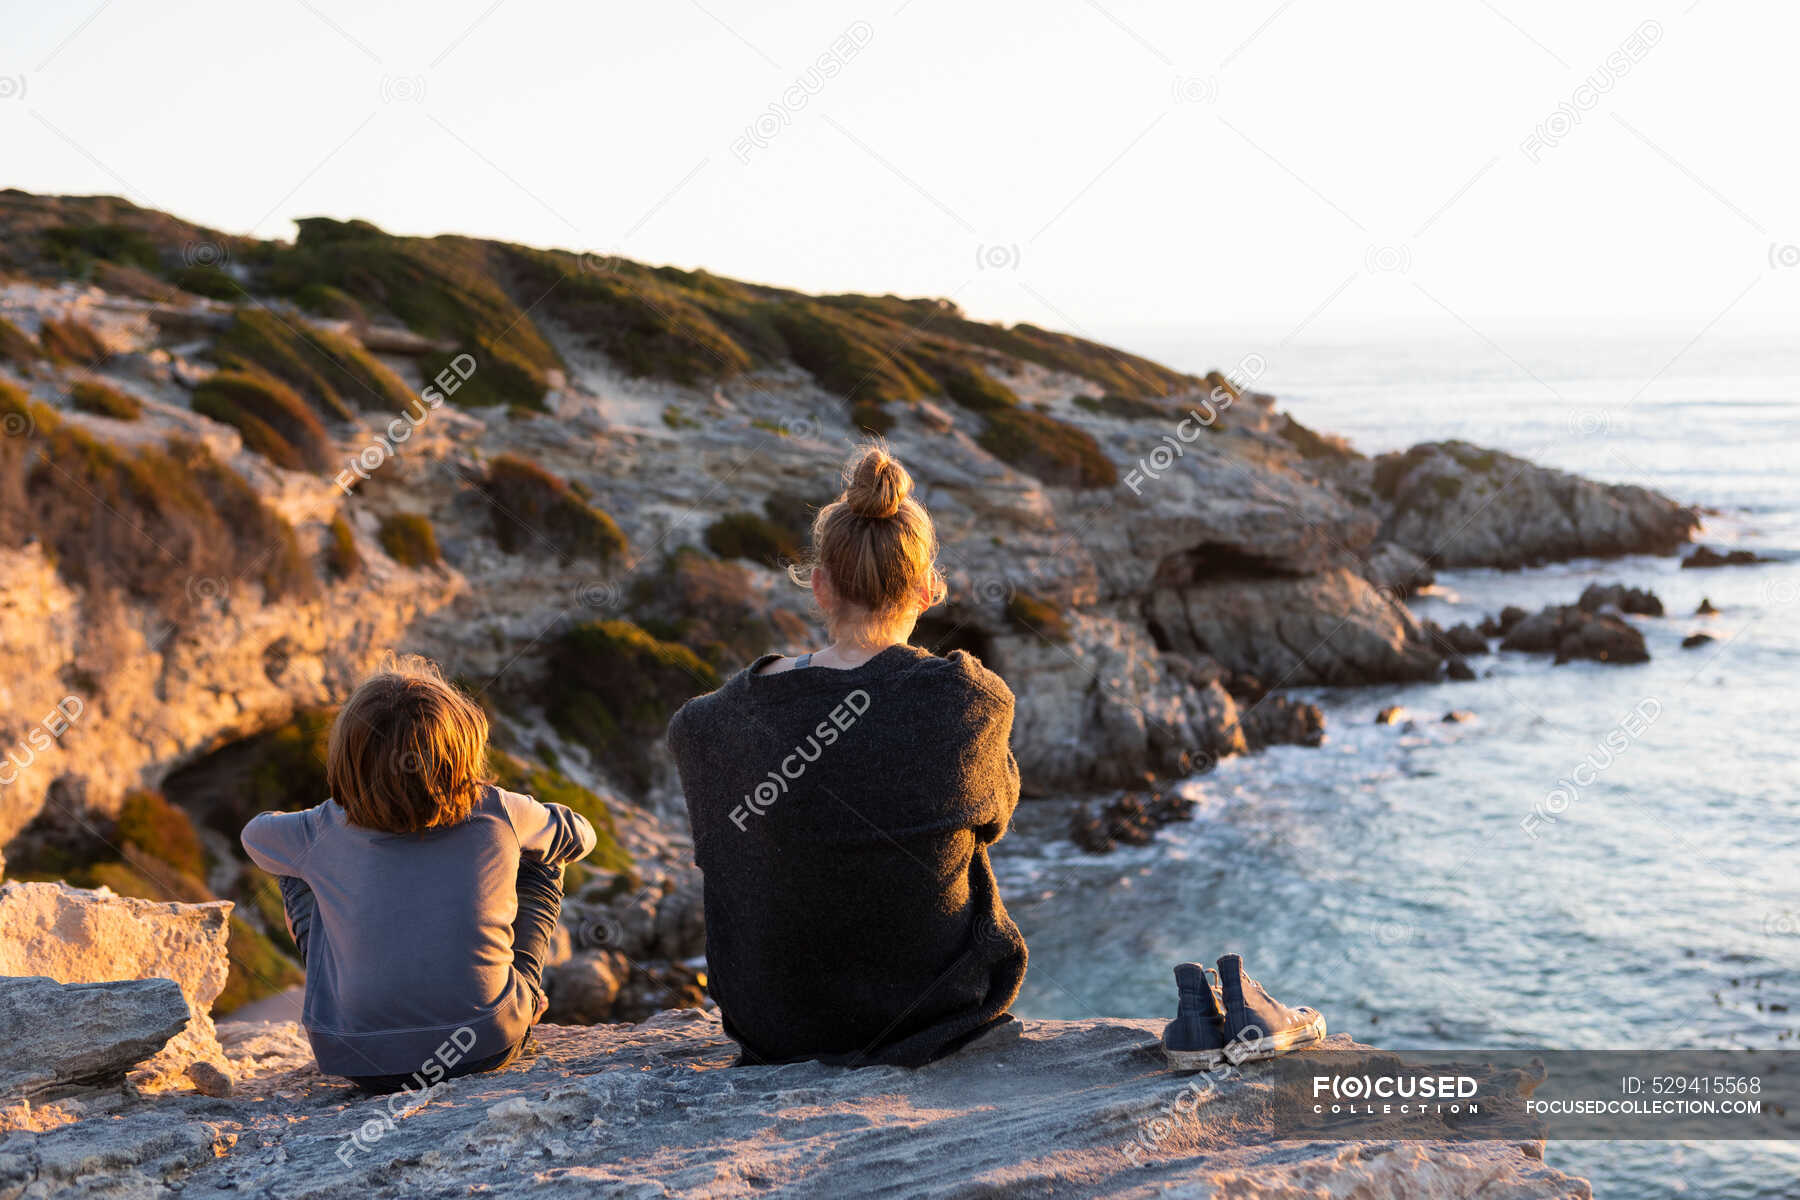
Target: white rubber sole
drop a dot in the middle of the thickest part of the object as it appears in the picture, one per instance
(1274, 1044)
(1246, 1050)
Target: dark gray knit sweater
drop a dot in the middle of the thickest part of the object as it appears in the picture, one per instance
(841, 819)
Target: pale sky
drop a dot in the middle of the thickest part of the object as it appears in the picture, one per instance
(1092, 165)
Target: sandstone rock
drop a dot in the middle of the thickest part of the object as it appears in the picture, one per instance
(934, 416)
(1641, 601)
(1458, 716)
(1329, 628)
(57, 1034)
(1393, 714)
(1570, 633)
(77, 936)
(1108, 707)
(1706, 608)
(1693, 640)
(1459, 670)
(210, 1078)
(583, 990)
(1459, 505)
(1075, 1108)
(1706, 556)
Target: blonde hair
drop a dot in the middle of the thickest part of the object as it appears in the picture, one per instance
(408, 751)
(875, 542)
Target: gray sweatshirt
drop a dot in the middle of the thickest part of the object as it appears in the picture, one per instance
(412, 948)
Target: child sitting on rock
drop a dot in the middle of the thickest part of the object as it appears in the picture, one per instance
(422, 898)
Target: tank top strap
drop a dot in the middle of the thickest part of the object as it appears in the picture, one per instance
(805, 660)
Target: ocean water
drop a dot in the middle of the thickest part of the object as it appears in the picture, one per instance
(1443, 885)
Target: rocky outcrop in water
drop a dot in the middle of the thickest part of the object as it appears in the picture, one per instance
(1639, 601)
(1706, 556)
(1571, 632)
(1459, 505)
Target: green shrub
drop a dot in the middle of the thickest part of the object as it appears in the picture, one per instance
(103, 399)
(548, 785)
(150, 824)
(1114, 370)
(74, 247)
(280, 769)
(274, 421)
(972, 387)
(342, 558)
(409, 540)
(677, 419)
(844, 358)
(333, 373)
(612, 687)
(321, 299)
(15, 347)
(1448, 487)
(633, 316)
(754, 537)
(260, 893)
(710, 605)
(533, 508)
(258, 969)
(1054, 452)
(210, 282)
(135, 282)
(70, 341)
(144, 519)
(142, 877)
(444, 287)
(1129, 407)
(872, 418)
(794, 513)
(1032, 614)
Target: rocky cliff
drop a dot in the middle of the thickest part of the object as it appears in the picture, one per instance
(233, 472)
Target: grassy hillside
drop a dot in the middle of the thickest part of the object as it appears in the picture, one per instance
(491, 299)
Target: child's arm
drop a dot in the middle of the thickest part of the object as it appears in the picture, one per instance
(278, 842)
(549, 832)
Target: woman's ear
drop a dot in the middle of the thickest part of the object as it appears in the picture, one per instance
(928, 592)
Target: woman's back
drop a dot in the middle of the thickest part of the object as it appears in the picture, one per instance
(841, 818)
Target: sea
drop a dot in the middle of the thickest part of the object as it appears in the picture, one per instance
(1519, 879)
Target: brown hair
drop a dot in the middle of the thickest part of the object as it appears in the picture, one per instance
(408, 751)
(875, 542)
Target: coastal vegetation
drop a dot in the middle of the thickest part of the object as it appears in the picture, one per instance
(71, 341)
(533, 509)
(144, 519)
(335, 375)
(753, 537)
(611, 686)
(270, 416)
(104, 400)
(409, 540)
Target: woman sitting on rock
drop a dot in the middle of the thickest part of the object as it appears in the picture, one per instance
(842, 804)
(422, 898)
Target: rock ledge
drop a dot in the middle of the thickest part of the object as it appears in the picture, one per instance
(656, 1110)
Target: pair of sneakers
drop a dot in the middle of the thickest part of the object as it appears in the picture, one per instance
(1233, 1020)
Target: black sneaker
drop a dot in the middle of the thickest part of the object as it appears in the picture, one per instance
(1256, 1024)
(1195, 1039)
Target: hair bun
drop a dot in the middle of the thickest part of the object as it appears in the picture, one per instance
(876, 484)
